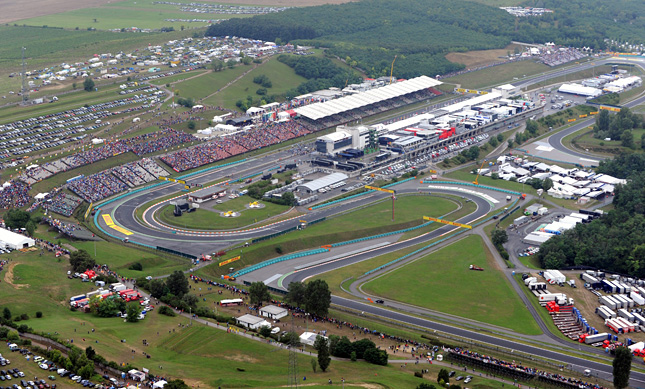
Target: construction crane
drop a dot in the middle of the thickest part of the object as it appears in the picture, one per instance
(478, 173)
(392, 68)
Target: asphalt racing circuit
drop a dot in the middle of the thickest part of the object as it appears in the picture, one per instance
(150, 232)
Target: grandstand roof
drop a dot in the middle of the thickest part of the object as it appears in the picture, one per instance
(321, 110)
(323, 181)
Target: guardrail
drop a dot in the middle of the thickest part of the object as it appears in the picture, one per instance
(392, 262)
(277, 260)
(359, 194)
(380, 235)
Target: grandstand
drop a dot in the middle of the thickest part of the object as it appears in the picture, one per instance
(376, 100)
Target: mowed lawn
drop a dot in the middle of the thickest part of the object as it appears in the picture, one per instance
(498, 74)
(442, 281)
(282, 78)
(200, 355)
(211, 220)
(207, 83)
(119, 256)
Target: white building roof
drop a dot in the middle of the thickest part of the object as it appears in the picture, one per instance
(250, 319)
(578, 89)
(272, 309)
(13, 239)
(321, 110)
(335, 136)
(470, 102)
(324, 181)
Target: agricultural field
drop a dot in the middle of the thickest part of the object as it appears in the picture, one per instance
(47, 46)
(447, 285)
(143, 14)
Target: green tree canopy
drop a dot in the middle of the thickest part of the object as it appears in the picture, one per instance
(177, 283)
(81, 261)
(622, 367)
(258, 293)
(322, 347)
(318, 297)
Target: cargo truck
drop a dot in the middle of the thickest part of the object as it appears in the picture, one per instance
(589, 339)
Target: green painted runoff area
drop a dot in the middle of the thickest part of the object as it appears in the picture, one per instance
(443, 282)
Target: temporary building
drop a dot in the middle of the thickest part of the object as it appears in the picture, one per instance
(15, 241)
(159, 384)
(273, 312)
(577, 89)
(309, 338)
(252, 322)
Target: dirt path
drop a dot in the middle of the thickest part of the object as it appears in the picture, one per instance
(8, 277)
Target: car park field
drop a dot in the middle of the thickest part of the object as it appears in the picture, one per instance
(449, 286)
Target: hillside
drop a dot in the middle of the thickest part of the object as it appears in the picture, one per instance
(370, 33)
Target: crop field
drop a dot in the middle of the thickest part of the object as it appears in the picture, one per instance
(211, 220)
(47, 46)
(282, 77)
(442, 281)
(108, 18)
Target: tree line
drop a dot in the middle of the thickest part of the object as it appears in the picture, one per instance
(372, 32)
(321, 73)
(616, 241)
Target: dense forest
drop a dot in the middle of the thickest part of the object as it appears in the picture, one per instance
(616, 241)
(321, 73)
(370, 33)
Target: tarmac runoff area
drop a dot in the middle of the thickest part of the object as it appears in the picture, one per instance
(270, 275)
(542, 149)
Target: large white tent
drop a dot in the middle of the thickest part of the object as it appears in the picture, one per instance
(577, 89)
(15, 241)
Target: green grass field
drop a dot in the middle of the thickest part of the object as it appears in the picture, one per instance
(47, 46)
(282, 77)
(465, 174)
(120, 256)
(208, 83)
(177, 349)
(371, 220)
(498, 74)
(176, 77)
(442, 281)
(208, 220)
